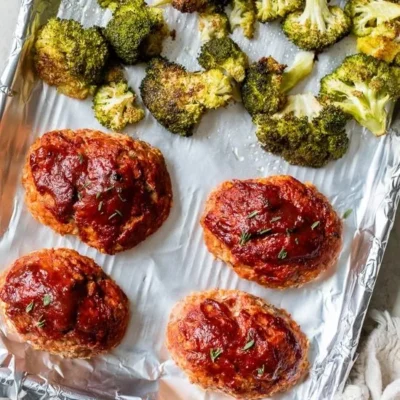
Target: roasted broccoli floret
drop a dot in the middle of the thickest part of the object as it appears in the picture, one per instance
(365, 88)
(213, 24)
(269, 10)
(114, 106)
(224, 54)
(184, 6)
(111, 4)
(304, 132)
(318, 26)
(368, 14)
(243, 15)
(136, 31)
(70, 57)
(383, 43)
(178, 98)
(266, 83)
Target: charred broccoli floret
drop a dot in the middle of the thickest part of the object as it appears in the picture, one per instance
(178, 98)
(368, 14)
(318, 26)
(266, 83)
(114, 106)
(269, 10)
(213, 24)
(365, 88)
(136, 31)
(70, 57)
(304, 132)
(224, 54)
(383, 43)
(243, 15)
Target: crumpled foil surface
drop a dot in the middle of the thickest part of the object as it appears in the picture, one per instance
(174, 261)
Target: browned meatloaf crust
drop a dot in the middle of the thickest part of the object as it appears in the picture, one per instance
(236, 343)
(110, 190)
(275, 231)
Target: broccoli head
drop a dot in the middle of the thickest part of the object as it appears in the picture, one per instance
(266, 83)
(243, 15)
(184, 6)
(114, 106)
(365, 88)
(213, 24)
(178, 98)
(111, 4)
(70, 57)
(383, 43)
(304, 132)
(318, 26)
(136, 31)
(269, 10)
(368, 14)
(224, 54)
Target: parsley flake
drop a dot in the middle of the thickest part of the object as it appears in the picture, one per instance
(296, 240)
(347, 213)
(100, 206)
(315, 224)
(260, 371)
(253, 214)
(263, 231)
(109, 188)
(41, 322)
(121, 198)
(30, 306)
(47, 299)
(282, 254)
(81, 159)
(215, 353)
(249, 344)
(275, 219)
(98, 195)
(244, 238)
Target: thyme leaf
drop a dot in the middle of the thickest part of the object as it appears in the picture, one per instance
(215, 353)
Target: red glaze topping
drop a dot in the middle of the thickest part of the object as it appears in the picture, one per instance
(271, 227)
(256, 348)
(59, 298)
(105, 187)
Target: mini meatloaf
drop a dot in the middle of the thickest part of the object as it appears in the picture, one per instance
(275, 231)
(236, 343)
(110, 190)
(63, 303)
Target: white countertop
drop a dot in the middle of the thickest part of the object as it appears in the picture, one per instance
(387, 291)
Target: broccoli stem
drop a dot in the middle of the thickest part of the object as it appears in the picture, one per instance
(377, 12)
(159, 3)
(301, 105)
(317, 14)
(365, 105)
(299, 70)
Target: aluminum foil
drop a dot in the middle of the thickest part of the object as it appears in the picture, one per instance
(174, 262)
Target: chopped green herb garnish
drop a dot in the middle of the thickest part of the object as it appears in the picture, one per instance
(261, 370)
(112, 216)
(288, 232)
(244, 238)
(30, 306)
(100, 206)
(275, 219)
(119, 213)
(263, 231)
(81, 159)
(215, 353)
(46, 299)
(109, 188)
(296, 240)
(249, 344)
(87, 183)
(41, 322)
(98, 195)
(79, 196)
(347, 213)
(253, 214)
(314, 225)
(282, 254)
(121, 198)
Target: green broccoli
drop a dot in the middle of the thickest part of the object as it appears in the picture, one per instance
(178, 98)
(114, 106)
(70, 57)
(318, 26)
(213, 24)
(365, 88)
(266, 84)
(368, 14)
(243, 15)
(305, 132)
(224, 54)
(136, 31)
(111, 4)
(383, 43)
(269, 10)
